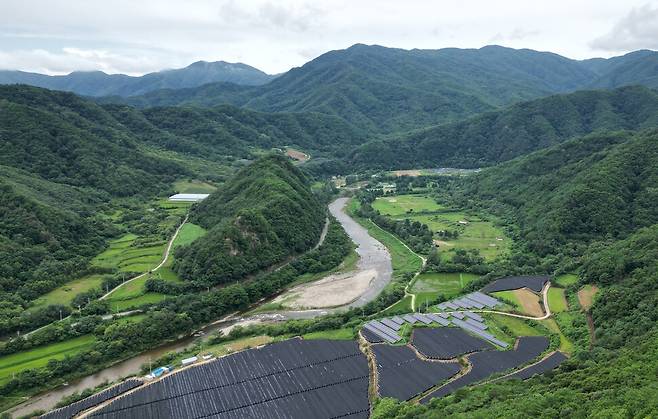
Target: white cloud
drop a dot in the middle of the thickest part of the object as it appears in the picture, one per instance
(637, 30)
(59, 36)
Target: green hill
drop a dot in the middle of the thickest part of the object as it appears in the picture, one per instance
(262, 215)
(385, 90)
(602, 186)
(522, 128)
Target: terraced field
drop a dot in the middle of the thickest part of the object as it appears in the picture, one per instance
(65, 293)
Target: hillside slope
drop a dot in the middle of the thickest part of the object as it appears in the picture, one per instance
(98, 83)
(388, 90)
(522, 128)
(264, 214)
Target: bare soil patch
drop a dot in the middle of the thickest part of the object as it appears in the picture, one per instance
(413, 173)
(586, 296)
(530, 302)
(297, 155)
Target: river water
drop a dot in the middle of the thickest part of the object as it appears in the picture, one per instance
(372, 255)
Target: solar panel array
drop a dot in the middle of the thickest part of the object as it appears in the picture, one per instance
(446, 342)
(487, 363)
(73, 409)
(401, 374)
(474, 300)
(549, 363)
(386, 330)
(535, 283)
(291, 379)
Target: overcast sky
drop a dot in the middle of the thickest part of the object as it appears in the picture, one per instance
(139, 36)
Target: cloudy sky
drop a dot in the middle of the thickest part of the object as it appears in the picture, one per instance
(139, 36)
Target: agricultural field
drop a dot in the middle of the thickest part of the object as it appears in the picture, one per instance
(510, 326)
(586, 296)
(188, 233)
(193, 186)
(64, 294)
(136, 302)
(522, 300)
(431, 284)
(39, 357)
(126, 255)
(334, 334)
(556, 300)
(474, 232)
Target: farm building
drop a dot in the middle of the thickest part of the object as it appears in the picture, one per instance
(188, 197)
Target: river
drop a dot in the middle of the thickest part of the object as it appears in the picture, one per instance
(372, 255)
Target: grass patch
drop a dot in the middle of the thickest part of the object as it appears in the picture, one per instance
(510, 298)
(566, 279)
(403, 260)
(335, 334)
(406, 204)
(65, 293)
(401, 307)
(236, 345)
(513, 326)
(136, 302)
(475, 232)
(565, 344)
(431, 284)
(188, 233)
(39, 357)
(556, 300)
(193, 186)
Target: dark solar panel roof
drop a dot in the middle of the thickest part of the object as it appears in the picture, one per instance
(446, 342)
(535, 283)
(291, 379)
(549, 363)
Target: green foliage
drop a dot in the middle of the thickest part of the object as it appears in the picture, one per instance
(502, 135)
(266, 213)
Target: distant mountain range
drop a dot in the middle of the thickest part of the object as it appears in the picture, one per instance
(98, 83)
(388, 90)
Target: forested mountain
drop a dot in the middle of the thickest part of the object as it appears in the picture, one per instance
(264, 214)
(98, 83)
(520, 129)
(586, 205)
(390, 90)
(602, 186)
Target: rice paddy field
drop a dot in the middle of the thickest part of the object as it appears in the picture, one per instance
(39, 357)
(475, 232)
(126, 255)
(429, 285)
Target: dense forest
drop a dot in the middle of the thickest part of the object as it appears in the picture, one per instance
(587, 205)
(263, 215)
(386, 90)
(522, 128)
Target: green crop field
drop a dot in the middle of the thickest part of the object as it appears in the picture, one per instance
(405, 204)
(39, 357)
(193, 186)
(474, 232)
(64, 294)
(566, 279)
(510, 298)
(188, 233)
(556, 300)
(125, 255)
(401, 307)
(431, 284)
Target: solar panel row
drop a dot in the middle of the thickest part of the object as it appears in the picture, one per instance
(478, 331)
(73, 409)
(486, 363)
(446, 342)
(287, 379)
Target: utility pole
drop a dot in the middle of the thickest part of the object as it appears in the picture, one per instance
(60, 314)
